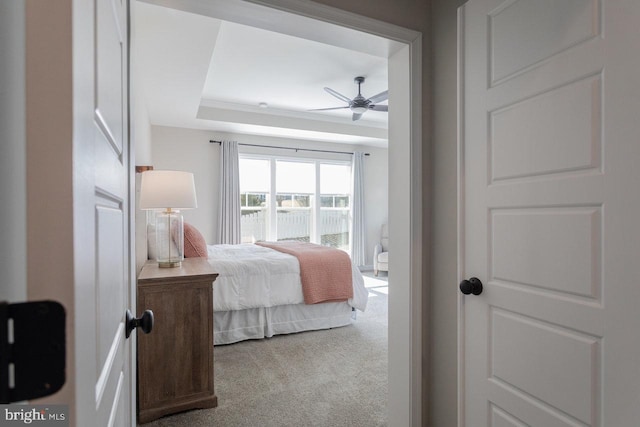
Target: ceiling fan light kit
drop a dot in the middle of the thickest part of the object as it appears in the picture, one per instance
(359, 104)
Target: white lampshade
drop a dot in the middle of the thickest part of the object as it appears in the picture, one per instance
(164, 189)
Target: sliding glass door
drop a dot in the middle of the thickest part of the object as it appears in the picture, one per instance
(296, 200)
(334, 219)
(255, 197)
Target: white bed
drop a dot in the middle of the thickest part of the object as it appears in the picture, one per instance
(258, 294)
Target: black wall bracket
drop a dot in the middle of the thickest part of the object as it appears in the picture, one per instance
(32, 350)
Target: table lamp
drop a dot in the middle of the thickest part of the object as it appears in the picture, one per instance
(168, 191)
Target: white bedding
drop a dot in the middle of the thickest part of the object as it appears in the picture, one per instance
(251, 276)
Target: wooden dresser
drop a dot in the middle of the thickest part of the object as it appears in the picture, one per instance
(175, 360)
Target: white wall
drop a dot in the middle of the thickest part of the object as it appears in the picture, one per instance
(13, 251)
(141, 140)
(141, 137)
(190, 150)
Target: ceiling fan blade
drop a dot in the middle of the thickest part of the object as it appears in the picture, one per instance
(379, 97)
(337, 95)
(379, 107)
(356, 116)
(331, 108)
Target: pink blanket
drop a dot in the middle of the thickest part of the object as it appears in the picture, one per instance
(325, 272)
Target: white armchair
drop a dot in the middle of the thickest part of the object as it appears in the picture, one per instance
(380, 252)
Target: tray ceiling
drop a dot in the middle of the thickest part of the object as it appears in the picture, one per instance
(200, 72)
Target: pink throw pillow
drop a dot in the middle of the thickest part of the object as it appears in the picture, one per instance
(194, 243)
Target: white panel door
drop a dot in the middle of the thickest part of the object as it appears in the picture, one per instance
(104, 372)
(549, 152)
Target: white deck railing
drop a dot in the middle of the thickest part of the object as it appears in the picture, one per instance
(294, 224)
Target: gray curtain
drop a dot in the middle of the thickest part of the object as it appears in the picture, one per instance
(357, 210)
(229, 219)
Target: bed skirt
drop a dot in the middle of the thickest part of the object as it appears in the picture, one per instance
(264, 322)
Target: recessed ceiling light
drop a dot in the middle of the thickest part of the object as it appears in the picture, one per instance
(263, 105)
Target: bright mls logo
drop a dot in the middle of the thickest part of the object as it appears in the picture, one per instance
(37, 415)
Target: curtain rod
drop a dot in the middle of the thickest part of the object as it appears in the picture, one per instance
(289, 148)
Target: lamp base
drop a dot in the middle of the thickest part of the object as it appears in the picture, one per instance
(172, 264)
(169, 239)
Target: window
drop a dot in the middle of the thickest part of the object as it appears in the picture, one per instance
(254, 199)
(295, 188)
(335, 186)
(295, 200)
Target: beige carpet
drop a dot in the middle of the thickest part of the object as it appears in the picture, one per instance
(334, 377)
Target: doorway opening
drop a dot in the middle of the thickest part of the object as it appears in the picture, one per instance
(403, 50)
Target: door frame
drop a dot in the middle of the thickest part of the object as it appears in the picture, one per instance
(405, 207)
(405, 177)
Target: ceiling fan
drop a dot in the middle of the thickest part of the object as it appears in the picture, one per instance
(358, 105)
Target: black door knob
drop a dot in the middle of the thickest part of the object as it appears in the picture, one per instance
(145, 322)
(471, 286)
